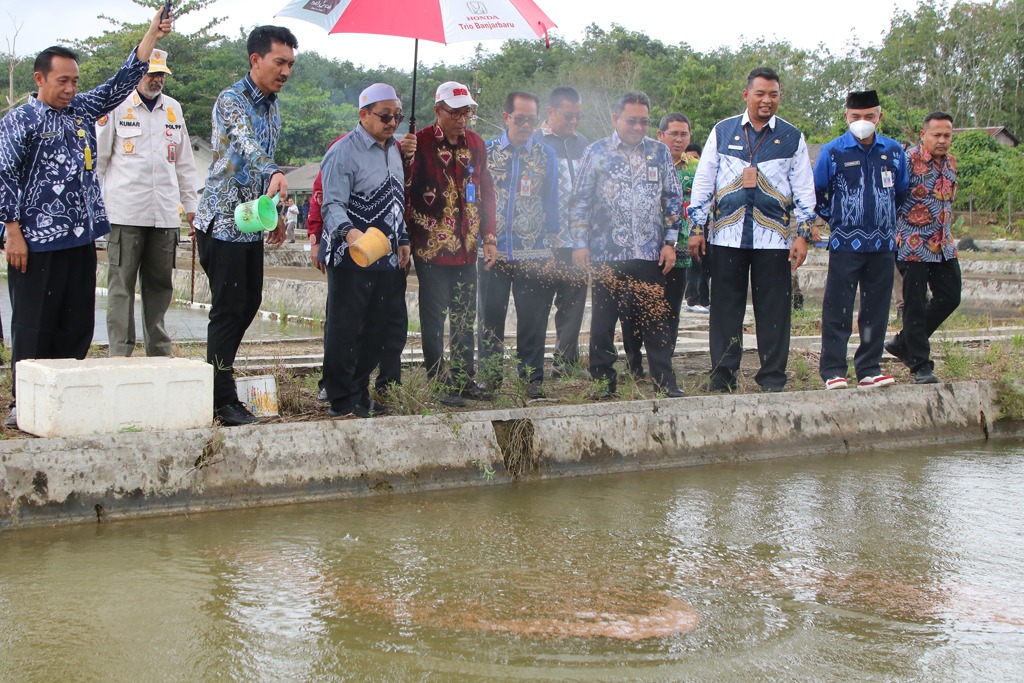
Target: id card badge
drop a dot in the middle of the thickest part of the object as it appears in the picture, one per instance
(653, 174)
(526, 185)
(470, 188)
(750, 177)
(172, 153)
(887, 180)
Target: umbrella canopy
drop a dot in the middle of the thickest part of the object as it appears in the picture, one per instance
(439, 21)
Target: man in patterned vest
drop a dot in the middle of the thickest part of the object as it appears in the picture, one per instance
(926, 254)
(753, 177)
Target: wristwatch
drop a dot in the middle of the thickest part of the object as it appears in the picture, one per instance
(671, 243)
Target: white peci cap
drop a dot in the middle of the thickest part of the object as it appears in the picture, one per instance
(377, 93)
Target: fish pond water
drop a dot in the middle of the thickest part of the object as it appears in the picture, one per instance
(901, 565)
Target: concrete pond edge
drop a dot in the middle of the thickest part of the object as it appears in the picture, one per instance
(120, 476)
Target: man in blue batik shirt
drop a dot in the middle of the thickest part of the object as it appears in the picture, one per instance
(860, 180)
(525, 174)
(51, 205)
(626, 208)
(246, 126)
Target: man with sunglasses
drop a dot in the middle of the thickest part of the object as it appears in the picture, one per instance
(626, 210)
(363, 188)
(526, 182)
(450, 213)
(564, 113)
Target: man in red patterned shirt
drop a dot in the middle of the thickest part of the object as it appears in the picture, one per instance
(449, 212)
(926, 254)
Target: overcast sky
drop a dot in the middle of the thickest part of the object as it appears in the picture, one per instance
(700, 23)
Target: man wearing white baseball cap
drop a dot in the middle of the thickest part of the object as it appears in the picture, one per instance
(450, 211)
(364, 192)
(145, 164)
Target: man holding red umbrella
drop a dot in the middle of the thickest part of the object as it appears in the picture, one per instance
(449, 212)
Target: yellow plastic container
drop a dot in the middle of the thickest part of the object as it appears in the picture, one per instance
(370, 248)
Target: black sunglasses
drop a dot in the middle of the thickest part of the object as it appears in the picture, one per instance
(388, 118)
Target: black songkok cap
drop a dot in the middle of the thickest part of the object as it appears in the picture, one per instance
(865, 99)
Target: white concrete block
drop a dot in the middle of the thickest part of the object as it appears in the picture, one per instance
(68, 397)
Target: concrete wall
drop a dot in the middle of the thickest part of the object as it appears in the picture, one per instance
(117, 476)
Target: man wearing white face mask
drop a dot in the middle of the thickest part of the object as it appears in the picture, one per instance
(860, 179)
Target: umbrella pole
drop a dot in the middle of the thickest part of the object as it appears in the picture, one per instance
(415, 62)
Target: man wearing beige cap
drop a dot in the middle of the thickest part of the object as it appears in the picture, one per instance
(450, 209)
(145, 164)
(365, 248)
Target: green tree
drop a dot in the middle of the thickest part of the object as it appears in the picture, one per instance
(987, 172)
(307, 125)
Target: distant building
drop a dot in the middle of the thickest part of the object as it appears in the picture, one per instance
(300, 179)
(1000, 133)
(204, 157)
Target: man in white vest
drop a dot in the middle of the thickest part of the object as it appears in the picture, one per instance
(148, 173)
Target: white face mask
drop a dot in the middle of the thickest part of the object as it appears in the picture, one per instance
(862, 129)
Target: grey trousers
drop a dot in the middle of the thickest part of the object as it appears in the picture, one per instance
(146, 255)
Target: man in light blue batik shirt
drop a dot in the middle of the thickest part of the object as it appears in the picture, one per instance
(246, 126)
(626, 209)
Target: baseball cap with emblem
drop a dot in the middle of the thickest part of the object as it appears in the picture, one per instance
(158, 62)
(377, 93)
(454, 94)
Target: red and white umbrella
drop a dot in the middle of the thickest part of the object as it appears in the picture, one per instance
(439, 21)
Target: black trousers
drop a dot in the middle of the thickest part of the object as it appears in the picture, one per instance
(632, 336)
(570, 306)
(447, 291)
(872, 272)
(366, 306)
(53, 305)
(698, 281)
(235, 271)
(634, 292)
(921, 315)
(533, 289)
(768, 273)
(396, 334)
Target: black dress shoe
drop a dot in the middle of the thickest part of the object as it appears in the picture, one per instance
(673, 392)
(767, 389)
(235, 415)
(719, 387)
(893, 350)
(925, 377)
(349, 412)
(476, 392)
(378, 409)
(452, 400)
(534, 390)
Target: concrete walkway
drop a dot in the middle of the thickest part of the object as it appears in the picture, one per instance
(120, 476)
